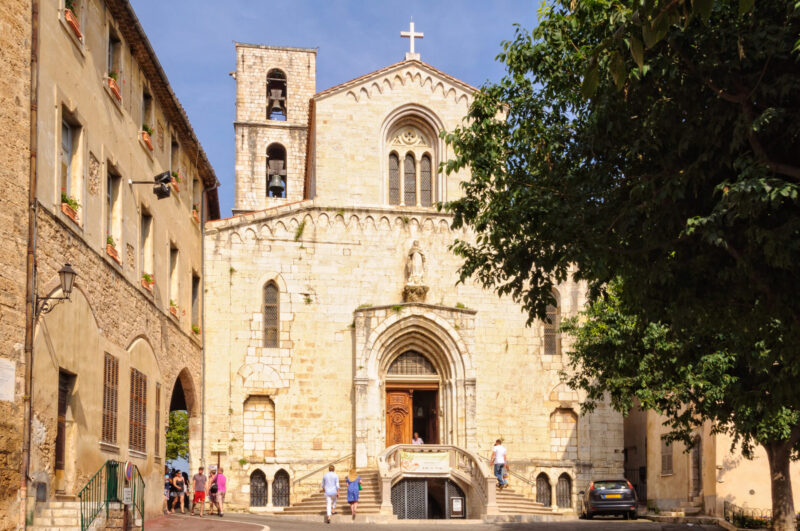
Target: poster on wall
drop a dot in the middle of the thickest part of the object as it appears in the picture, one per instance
(7, 379)
(425, 462)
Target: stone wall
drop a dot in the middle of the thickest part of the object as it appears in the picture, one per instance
(332, 264)
(255, 132)
(15, 57)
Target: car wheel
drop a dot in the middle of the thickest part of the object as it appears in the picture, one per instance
(588, 515)
(633, 514)
(626, 516)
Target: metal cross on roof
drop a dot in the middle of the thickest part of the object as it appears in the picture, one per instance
(411, 34)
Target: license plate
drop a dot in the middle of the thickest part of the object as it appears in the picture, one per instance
(608, 496)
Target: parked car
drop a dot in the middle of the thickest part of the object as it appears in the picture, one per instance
(610, 496)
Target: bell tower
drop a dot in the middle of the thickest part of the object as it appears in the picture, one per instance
(274, 87)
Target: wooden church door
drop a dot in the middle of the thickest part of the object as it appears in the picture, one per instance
(398, 417)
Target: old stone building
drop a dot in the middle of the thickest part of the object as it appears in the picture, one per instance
(337, 328)
(104, 368)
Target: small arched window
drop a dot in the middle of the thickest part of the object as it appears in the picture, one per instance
(280, 489)
(409, 181)
(394, 179)
(543, 494)
(271, 315)
(276, 95)
(552, 339)
(425, 181)
(564, 491)
(258, 489)
(276, 171)
(411, 363)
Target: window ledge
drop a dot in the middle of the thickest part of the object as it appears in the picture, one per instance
(667, 474)
(117, 101)
(136, 454)
(71, 215)
(109, 447)
(78, 42)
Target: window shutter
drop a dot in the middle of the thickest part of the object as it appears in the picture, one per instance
(110, 387)
(271, 317)
(425, 182)
(666, 457)
(409, 181)
(158, 417)
(394, 180)
(138, 416)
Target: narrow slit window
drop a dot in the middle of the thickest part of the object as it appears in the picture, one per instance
(271, 316)
(409, 181)
(394, 179)
(552, 339)
(425, 181)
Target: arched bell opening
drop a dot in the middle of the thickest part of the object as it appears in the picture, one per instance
(276, 95)
(276, 171)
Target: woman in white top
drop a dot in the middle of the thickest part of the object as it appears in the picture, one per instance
(417, 439)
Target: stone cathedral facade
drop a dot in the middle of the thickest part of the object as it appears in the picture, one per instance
(335, 325)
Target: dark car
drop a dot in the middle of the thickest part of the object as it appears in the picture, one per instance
(610, 496)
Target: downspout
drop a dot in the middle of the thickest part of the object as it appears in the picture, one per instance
(30, 270)
(203, 317)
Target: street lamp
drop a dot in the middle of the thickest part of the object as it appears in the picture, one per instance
(67, 276)
(160, 184)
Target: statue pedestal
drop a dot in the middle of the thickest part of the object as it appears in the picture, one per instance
(415, 293)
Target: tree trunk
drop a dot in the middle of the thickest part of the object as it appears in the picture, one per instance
(783, 516)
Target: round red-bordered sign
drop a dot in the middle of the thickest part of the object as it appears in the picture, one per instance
(128, 470)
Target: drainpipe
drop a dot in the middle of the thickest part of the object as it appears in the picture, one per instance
(203, 318)
(30, 270)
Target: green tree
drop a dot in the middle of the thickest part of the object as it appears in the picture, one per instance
(178, 435)
(654, 145)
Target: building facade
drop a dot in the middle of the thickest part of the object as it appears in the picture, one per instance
(111, 363)
(339, 327)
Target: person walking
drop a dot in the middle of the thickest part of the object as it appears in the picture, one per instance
(167, 489)
(417, 439)
(185, 490)
(221, 482)
(177, 491)
(353, 487)
(330, 486)
(500, 461)
(212, 491)
(199, 486)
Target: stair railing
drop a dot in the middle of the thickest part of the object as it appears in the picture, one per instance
(106, 487)
(322, 468)
(510, 472)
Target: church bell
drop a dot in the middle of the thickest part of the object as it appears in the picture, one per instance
(276, 186)
(276, 100)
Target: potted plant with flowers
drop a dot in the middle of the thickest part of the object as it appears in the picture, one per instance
(147, 134)
(196, 213)
(71, 17)
(173, 309)
(175, 179)
(111, 249)
(196, 329)
(148, 281)
(69, 205)
(113, 85)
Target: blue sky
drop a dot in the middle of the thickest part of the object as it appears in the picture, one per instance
(194, 42)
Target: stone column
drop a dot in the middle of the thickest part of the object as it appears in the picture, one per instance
(360, 423)
(553, 495)
(471, 411)
(269, 493)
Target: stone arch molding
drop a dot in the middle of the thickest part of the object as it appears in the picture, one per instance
(424, 329)
(258, 378)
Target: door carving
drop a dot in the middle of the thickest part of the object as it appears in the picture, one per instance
(398, 417)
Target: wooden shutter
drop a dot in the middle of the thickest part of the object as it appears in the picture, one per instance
(394, 179)
(110, 389)
(271, 317)
(138, 416)
(666, 457)
(158, 416)
(409, 181)
(425, 181)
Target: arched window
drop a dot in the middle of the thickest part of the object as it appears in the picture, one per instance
(411, 363)
(394, 179)
(276, 171)
(425, 181)
(259, 427)
(271, 315)
(552, 339)
(276, 95)
(564, 434)
(543, 494)
(258, 489)
(564, 491)
(280, 489)
(409, 181)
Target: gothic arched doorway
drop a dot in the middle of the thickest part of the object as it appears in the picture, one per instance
(258, 489)
(280, 489)
(412, 399)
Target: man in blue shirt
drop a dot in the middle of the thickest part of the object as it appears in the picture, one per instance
(330, 486)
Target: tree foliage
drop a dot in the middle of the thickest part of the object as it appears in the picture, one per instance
(652, 146)
(178, 435)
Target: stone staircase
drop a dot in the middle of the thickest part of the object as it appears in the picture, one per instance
(693, 506)
(369, 500)
(57, 515)
(510, 502)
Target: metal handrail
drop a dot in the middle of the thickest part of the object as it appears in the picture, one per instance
(511, 472)
(106, 487)
(320, 469)
(91, 499)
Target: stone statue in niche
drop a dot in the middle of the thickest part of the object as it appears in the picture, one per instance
(415, 289)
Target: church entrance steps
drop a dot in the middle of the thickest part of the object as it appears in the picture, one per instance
(510, 502)
(369, 499)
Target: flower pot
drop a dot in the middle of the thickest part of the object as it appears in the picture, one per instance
(175, 185)
(72, 20)
(174, 311)
(148, 285)
(70, 212)
(195, 216)
(147, 140)
(112, 84)
(112, 252)
(197, 331)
